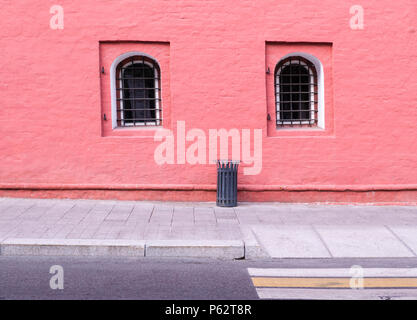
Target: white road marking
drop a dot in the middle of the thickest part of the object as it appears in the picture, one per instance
(336, 294)
(323, 293)
(333, 272)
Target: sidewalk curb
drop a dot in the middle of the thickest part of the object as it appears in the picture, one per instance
(72, 247)
(253, 249)
(218, 249)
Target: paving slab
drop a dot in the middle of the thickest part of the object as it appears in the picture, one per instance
(408, 235)
(290, 242)
(362, 241)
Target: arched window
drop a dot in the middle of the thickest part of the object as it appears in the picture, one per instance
(138, 92)
(296, 92)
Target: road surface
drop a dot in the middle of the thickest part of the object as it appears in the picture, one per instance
(193, 279)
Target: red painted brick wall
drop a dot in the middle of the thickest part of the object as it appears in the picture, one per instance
(52, 96)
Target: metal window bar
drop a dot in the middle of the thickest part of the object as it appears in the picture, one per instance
(138, 93)
(296, 93)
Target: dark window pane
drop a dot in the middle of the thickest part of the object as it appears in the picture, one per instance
(138, 101)
(285, 97)
(305, 96)
(305, 115)
(294, 91)
(295, 88)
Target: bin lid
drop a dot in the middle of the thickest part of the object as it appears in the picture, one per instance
(223, 161)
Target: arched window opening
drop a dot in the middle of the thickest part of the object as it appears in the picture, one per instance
(138, 92)
(296, 92)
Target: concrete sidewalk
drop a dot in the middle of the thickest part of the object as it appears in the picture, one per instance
(250, 231)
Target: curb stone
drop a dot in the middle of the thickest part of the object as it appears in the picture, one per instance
(72, 247)
(221, 249)
(228, 249)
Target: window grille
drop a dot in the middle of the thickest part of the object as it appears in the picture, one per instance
(296, 93)
(138, 92)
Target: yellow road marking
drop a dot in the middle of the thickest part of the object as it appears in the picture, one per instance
(333, 282)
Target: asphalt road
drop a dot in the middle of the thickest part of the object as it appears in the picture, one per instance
(147, 278)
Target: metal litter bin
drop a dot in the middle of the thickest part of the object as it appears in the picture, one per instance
(227, 183)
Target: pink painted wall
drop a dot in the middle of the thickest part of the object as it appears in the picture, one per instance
(215, 54)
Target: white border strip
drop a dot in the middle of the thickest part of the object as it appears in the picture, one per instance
(336, 294)
(339, 272)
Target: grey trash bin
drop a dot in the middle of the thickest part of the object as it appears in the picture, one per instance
(227, 183)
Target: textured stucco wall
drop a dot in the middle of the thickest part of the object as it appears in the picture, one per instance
(52, 93)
